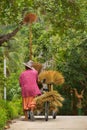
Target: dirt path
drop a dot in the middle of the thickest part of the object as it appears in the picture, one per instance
(60, 123)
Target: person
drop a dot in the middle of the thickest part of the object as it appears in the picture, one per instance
(29, 89)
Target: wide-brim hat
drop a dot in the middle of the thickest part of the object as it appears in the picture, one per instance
(29, 64)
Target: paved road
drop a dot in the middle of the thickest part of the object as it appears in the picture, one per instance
(60, 123)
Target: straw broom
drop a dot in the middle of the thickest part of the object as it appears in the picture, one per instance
(38, 66)
(29, 19)
(52, 77)
(53, 97)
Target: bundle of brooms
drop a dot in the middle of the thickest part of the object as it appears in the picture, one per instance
(53, 97)
(51, 77)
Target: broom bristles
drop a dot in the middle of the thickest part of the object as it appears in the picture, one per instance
(30, 18)
(37, 66)
(51, 77)
(53, 97)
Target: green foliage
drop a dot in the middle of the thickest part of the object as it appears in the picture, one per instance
(13, 10)
(6, 106)
(1, 74)
(62, 14)
(18, 104)
(14, 109)
(9, 110)
(74, 65)
(3, 117)
(13, 88)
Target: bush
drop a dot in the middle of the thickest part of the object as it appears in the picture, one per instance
(15, 109)
(5, 105)
(18, 105)
(9, 110)
(3, 118)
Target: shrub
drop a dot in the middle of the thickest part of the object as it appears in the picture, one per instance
(18, 105)
(9, 110)
(15, 109)
(6, 106)
(3, 118)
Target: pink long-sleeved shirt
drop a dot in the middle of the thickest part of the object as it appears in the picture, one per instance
(28, 83)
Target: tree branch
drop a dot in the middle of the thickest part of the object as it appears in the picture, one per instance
(7, 37)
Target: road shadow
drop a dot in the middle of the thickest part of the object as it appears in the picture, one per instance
(37, 118)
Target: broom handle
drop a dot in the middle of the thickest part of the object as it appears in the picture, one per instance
(50, 87)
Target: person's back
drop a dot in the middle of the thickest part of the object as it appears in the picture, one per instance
(28, 82)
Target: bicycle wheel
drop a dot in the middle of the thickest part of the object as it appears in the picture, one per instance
(46, 110)
(54, 115)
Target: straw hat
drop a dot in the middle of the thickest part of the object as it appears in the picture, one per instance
(29, 64)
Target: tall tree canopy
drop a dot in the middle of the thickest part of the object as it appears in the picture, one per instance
(61, 14)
